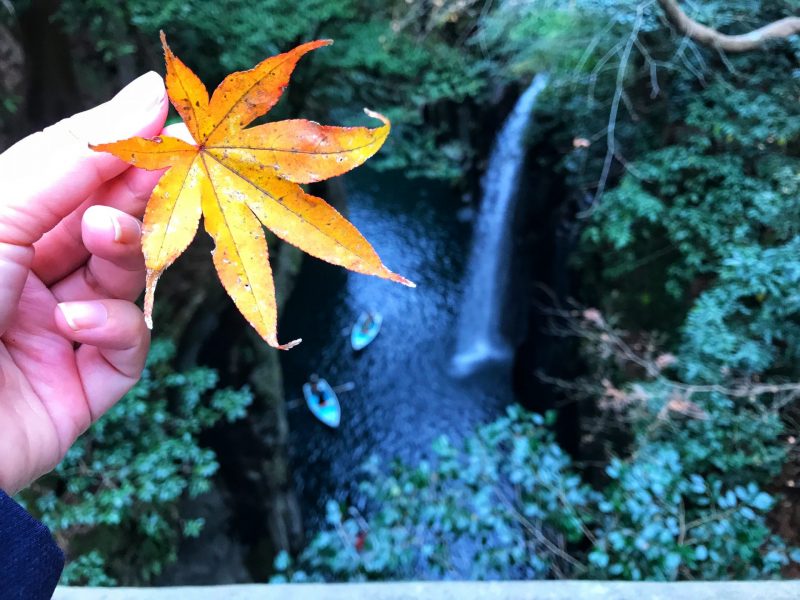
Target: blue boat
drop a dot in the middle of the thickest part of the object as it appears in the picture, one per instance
(324, 404)
(365, 330)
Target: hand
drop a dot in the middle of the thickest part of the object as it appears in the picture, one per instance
(72, 341)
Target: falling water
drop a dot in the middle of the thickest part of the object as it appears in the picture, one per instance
(480, 340)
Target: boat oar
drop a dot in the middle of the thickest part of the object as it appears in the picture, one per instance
(348, 386)
(345, 387)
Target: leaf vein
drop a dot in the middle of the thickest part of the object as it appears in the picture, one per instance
(239, 99)
(174, 209)
(242, 262)
(291, 151)
(277, 201)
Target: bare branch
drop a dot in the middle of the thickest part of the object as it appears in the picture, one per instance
(611, 139)
(606, 341)
(744, 42)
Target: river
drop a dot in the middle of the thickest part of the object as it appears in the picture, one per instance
(404, 394)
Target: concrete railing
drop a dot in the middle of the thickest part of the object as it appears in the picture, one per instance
(455, 590)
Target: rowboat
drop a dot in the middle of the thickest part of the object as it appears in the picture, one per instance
(365, 330)
(324, 404)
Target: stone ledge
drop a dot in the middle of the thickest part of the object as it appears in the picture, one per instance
(455, 590)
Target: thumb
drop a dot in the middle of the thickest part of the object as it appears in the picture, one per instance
(49, 174)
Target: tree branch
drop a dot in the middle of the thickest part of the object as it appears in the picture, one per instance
(745, 42)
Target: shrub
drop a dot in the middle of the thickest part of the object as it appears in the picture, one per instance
(510, 504)
(113, 502)
(503, 506)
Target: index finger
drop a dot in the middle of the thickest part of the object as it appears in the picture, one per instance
(47, 175)
(61, 250)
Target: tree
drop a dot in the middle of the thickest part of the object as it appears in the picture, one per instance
(752, 40)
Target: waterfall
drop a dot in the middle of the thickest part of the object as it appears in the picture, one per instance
(479, 337)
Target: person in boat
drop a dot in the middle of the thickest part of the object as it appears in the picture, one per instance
(367, 323)
(316, 388)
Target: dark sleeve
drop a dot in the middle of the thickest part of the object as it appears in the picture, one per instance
(30, 561)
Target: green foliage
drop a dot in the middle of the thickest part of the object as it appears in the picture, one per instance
(502, 506)
(694, 239)
(749, 322)
(408, 60)
(708, 225)
(113, 501)
(569, 38)
(663, 522)
(510, 504)
(690, 502)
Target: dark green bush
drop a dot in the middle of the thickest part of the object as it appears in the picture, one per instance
(113, 501)
(503, 506)
(511, 504)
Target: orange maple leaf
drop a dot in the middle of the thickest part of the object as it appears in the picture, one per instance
(239, 179)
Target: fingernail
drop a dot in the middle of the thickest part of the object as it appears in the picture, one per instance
(142, 95)
(117, 229)
(99, 220)
(84, 315)
(126, 230)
